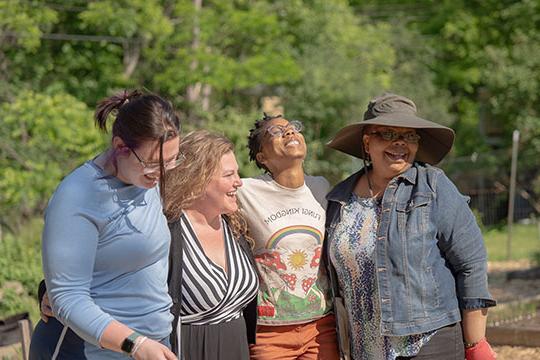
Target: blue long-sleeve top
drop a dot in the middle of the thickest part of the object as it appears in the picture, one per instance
(105, 255)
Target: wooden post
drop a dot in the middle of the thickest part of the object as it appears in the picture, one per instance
(26, 335)
(512, 194)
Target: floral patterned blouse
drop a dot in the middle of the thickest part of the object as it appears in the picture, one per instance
(352, 250)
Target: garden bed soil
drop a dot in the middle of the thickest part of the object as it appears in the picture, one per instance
(506, 290)
(517, 353)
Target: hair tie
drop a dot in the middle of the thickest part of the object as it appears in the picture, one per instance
(125, 98)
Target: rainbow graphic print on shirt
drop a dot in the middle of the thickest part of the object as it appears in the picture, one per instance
(289, 264)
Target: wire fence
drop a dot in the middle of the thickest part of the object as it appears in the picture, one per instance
(485, 178)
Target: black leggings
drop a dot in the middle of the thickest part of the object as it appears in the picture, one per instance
(446, 344)
(45, 340)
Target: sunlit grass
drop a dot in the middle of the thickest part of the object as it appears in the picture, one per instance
(524, 244)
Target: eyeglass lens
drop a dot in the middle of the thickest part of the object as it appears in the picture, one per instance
(389, 135)
(279, 130)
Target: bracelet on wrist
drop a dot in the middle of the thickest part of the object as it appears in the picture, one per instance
(473, 344)
(138, 344)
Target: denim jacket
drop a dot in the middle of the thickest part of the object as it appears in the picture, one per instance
(430, 255)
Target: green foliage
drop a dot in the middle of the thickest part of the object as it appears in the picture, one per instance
(13, 302)
(236, 127)
(412, 74)
(460, 61)
(21, 256)
(128, 18)
(230, 46)
(43, 137)
(344, 61)
(20, 270)
(23, 22)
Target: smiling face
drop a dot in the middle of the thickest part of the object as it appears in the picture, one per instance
(221, 190)
(390, 157)
(280, 148)
(130, 169)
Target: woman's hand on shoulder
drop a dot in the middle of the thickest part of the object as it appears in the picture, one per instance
(45, 309)
(153, 350)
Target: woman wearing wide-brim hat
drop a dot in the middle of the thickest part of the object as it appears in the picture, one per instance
(405, 254)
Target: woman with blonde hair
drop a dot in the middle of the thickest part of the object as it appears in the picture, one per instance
(212, 276)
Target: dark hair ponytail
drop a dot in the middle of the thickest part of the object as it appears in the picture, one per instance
(138, 117)
(112, 104)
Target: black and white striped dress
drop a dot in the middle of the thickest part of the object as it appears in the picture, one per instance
(213, 299)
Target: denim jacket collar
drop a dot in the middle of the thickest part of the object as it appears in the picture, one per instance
(343, 190)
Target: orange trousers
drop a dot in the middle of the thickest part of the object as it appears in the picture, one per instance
(310, 341)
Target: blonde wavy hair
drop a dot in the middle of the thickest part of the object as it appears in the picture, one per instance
(186, 183)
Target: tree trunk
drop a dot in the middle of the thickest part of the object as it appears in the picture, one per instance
(132, 53)
(193, 91)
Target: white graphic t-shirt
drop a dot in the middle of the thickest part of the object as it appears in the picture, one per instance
(288, 228)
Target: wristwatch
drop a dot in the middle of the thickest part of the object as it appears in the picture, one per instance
(129, 343)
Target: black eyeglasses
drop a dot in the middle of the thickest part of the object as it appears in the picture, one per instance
(280, 130)
(390, 135)
(153, 167)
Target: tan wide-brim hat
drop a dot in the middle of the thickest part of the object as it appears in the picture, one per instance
(395, 110)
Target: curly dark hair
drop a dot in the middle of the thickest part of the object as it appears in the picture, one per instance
(255, 137)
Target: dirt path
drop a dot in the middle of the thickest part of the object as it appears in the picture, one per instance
(517, 353)
(505, 291)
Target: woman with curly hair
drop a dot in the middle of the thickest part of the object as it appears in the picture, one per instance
(285, 209)
(212, 276)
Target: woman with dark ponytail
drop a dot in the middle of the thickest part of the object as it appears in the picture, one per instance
(106, 241)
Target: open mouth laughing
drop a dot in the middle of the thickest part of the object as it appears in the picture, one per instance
(292, 142)
(397, 155)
